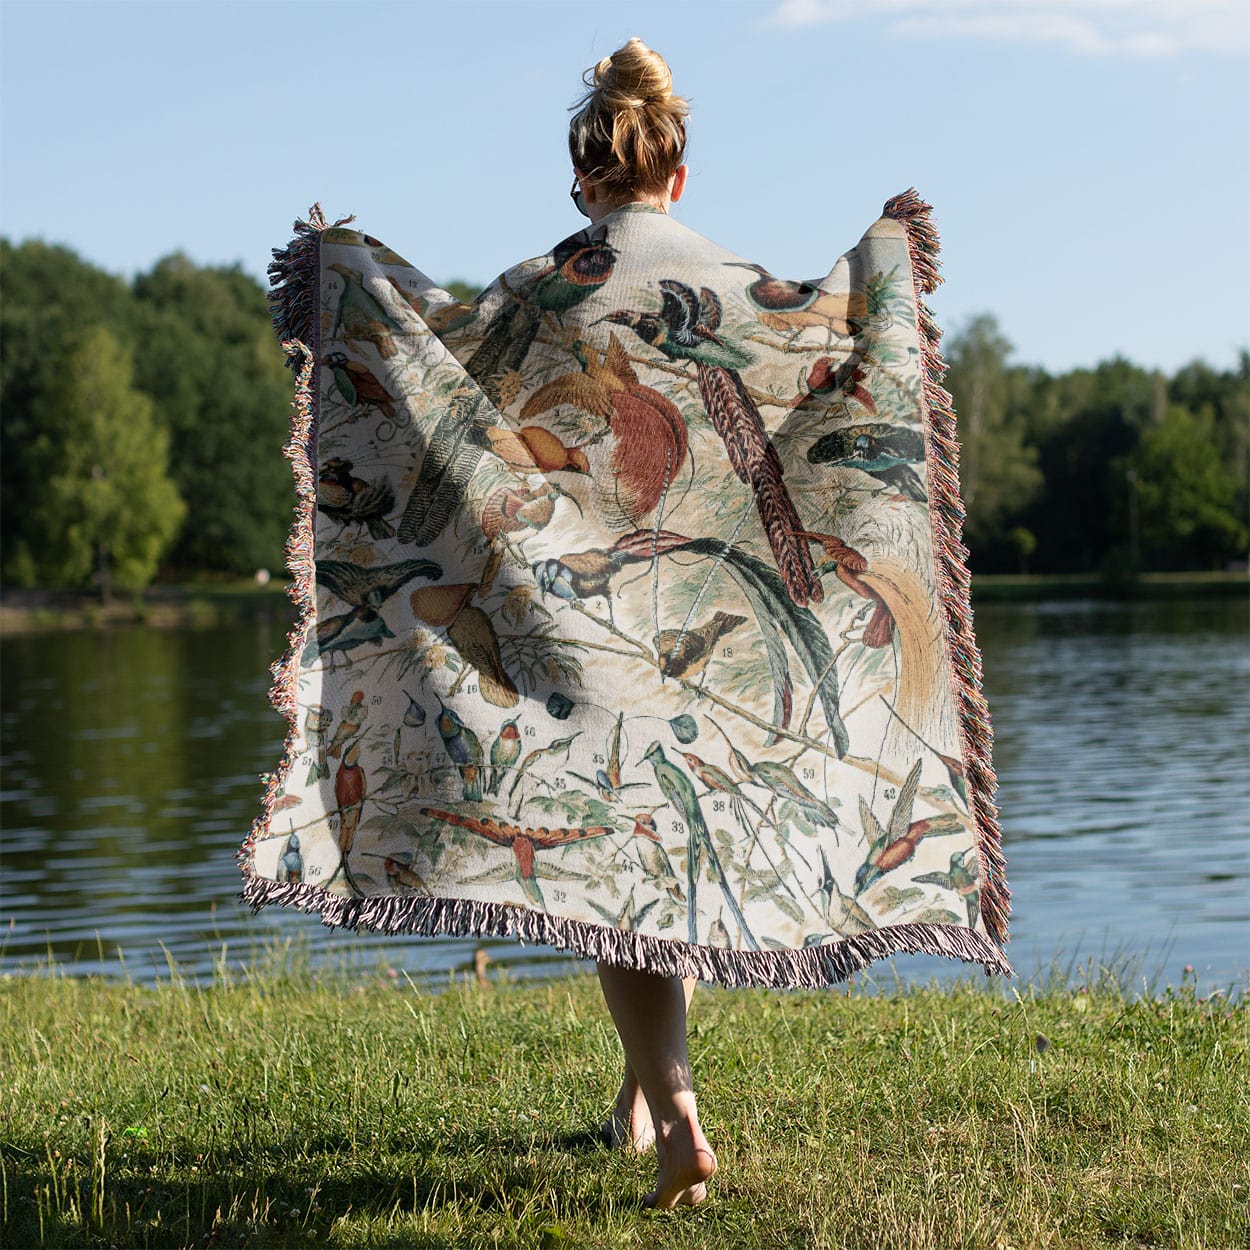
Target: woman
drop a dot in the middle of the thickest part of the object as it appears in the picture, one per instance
(635, 614)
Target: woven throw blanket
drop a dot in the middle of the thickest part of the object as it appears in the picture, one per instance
(634, 615)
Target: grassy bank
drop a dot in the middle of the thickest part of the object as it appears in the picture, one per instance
(290, 1111)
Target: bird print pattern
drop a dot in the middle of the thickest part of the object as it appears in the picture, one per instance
(626, 599)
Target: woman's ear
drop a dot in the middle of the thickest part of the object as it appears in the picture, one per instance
(678, 185)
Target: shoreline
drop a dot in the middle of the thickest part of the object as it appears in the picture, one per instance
(204, 604)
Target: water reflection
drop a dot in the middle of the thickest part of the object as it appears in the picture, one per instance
(131, 759)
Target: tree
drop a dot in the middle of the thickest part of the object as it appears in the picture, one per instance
(209, 359)
(1186, 494)
(102, 500)
(997, 469)
(51, 296)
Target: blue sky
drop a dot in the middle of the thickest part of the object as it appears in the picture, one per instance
(1088, 160)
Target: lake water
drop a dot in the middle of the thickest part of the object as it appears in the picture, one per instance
(130, 761)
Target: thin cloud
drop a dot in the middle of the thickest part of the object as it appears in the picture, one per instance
(1134, 28)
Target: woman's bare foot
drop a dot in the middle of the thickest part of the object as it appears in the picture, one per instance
(629, 1125)
(686, 1165)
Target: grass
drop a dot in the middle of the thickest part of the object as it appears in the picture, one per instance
(292, 1109)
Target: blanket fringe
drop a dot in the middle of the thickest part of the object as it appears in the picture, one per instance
(810, 968)
(954, 584)
(295, 278)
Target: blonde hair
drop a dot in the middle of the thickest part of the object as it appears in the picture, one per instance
(629, 132)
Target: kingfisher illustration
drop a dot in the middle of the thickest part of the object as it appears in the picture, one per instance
(358, 387)
(650, 441)
(360, 317)
(681, 796)
(504, 752)
(580, 265)
(464, 750)
(351, 500)
(353, 717)
(962, 877)
(886, 452)
(291, 862)
(893, 846)
(791, 307)
(685, 329)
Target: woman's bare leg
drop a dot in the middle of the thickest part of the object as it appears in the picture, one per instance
(629, 1125)
(650, 1015)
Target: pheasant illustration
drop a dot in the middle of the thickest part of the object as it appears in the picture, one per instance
(790, 307)
(685, 329)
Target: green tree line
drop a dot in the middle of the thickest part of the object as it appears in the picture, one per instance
(142, 424)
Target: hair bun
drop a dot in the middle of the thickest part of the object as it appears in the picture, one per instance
(633, 77)
(629, 131)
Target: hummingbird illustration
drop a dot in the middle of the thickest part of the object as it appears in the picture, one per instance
(556, 747)
(349, 724)
(464, 750)
(842, 913)
(317, 722)
(291, 861)
(358, 387)
(893, 846)
(607, 780)
(504, 752)
(686, 329)
(962, 877)
(886, 452)
(361, 317)
(680, 794)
